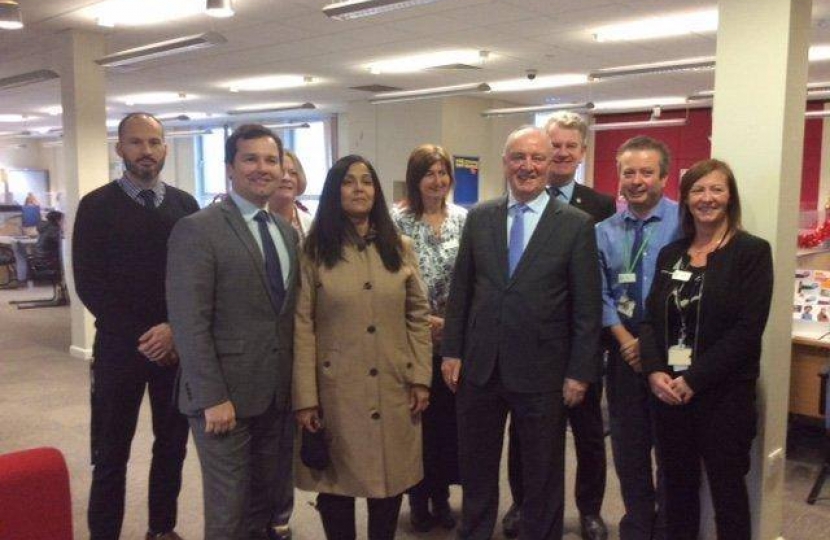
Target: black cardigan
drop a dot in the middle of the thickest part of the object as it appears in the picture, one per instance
(735, 302)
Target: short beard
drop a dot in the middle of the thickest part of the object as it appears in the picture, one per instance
(143, 174)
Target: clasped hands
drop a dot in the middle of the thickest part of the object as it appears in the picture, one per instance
(668, 390)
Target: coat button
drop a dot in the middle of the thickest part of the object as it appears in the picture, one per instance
(371, 329)
(375, 416)
(326, 364)
(409, 365)
(367, 285)
(373, 372)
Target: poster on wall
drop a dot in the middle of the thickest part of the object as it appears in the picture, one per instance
(811, 296)
(465, 172)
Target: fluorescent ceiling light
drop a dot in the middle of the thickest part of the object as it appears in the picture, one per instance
(703, 95)
(539, 83)
(155, 98)
(819, 53)
(645, 124)
(699, 22)
(429, 93)
(354, 9)
(420, 62)
(32, 77)
(823, 113)
(672, 66)
(13, 118)
(220, 9)
(276, 107)
(640, 103)
(289, 125)
(268, 82)
(52, 110)
(161, 49)
(133, 13)
(575, 107)
(113, 122)
(10, 17)
(183, 116)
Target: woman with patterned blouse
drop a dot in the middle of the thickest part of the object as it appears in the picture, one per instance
(435, 228)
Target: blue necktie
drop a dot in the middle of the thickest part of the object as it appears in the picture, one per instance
(273, 269)
(516, 243)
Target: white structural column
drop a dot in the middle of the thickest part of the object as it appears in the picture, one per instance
(758, 127)
(83, 96)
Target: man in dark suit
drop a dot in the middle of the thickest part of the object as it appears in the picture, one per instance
(521, 334)
(230, 286)
(568, 133)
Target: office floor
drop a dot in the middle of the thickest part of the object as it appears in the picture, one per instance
(44, 402)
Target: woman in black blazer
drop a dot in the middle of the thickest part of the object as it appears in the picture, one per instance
(701, 349)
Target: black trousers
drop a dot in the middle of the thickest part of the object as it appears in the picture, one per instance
(589, 441)
(631, 416)
(540, 423)
(716, 428)
(119, 376)
(440, 436)
(337, 514)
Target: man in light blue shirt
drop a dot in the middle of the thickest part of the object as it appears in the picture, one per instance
(628, 244)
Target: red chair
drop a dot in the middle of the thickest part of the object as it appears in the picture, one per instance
(35, 503)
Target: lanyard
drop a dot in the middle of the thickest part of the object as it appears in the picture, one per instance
(632, 264)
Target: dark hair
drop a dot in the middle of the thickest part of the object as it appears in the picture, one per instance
(642, 142)
(420, 161)
(54, 217)
(332, 227)
(248, 132)
(695, 173)
(123, 123)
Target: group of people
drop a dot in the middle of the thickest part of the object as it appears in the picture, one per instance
(403, 337)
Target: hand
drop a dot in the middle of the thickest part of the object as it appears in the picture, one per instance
(573, 392)
(451, 372)
(157, 342)
(220, 419)
(170, 360)
(436, 326)
(630, 352)
(309, 419)
(661, 386)
(682, 389)
(418, 399)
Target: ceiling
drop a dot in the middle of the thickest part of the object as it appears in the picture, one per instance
(268, 37)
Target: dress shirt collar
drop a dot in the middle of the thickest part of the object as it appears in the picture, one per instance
(537, 205)
(658, 213)
(246, 207)
(566, 191)
(132, 189)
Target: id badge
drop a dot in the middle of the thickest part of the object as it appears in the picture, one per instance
(626, 306)
(680, 357)
(626, 277)
(681, 275)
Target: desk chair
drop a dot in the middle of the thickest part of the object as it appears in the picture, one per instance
(45, 267)
(35, 501)
(824, 403)
(8, 263)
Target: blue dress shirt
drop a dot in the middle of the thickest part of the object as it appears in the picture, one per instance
(531, 217)
(249, 210)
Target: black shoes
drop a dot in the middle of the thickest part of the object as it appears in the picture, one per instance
(510, 521)
(593, 528)
(442, 515)
(420, 518)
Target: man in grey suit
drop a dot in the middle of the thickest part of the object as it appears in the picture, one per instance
(231, 276)
(521, 336)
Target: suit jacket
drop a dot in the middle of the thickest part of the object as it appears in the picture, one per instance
(538, 326)
(232, 342)
(598, 205)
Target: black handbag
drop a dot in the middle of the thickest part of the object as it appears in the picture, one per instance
(313, 450)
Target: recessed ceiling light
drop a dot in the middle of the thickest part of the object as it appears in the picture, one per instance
(268, 82)
(13, 118)
(698, 22)
(220, 9)
(113, 122)
(819, 53)
(344, 10)
(539, 83)
(639, 103)
(155, 98)
(183, 116)
(131, 13)
(419, 62)
(52, 110)
(272, 108)
(10, 17)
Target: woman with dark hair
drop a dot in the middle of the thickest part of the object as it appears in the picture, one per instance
(361, 354)
(435, 228)
(284, 200)
(700, 346)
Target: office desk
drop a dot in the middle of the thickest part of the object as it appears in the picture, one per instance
(809, 357)
(18, 244)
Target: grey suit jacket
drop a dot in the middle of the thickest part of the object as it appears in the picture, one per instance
(232, 343)
(538, 326)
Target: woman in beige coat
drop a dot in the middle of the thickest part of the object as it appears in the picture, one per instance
(362, 354)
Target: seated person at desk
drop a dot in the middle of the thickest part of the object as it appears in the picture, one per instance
(50, 233)
(31, 215)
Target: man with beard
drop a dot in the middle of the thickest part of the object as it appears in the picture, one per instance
(119, 254)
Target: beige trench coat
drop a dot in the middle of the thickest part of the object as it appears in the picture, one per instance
(361, 340)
